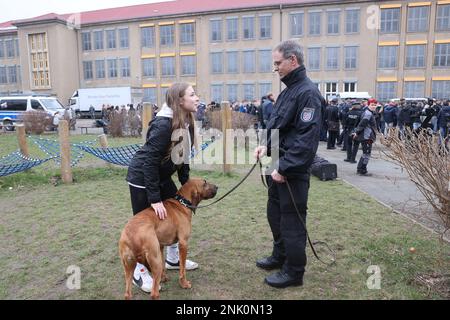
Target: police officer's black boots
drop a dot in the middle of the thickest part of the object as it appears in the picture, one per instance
(269, 263)
(282, 279)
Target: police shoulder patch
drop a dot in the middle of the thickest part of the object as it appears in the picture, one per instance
(307, 114)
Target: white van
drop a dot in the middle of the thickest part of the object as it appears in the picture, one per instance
(13, 107)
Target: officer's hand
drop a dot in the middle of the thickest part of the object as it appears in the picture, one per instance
(260, 152)
(160, 210)
(278, 178)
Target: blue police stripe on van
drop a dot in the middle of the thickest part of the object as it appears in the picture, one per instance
(9, 115)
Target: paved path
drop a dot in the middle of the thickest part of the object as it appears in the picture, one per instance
(388, 184)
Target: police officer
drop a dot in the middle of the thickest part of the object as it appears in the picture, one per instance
(443, 120)
(366, 133)
(297, 116)
(332, 118)
(351, 122)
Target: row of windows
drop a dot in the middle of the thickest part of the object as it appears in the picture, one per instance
(9, 48)
(332, 58)
(111, 68)
(333, 25)
(413, 89)
(415, 56)
(105, 39)
(418, 19)
(167, 35)
(248, 31)
(246, 92)
(9, 74)
(247, 61)
(168, 66)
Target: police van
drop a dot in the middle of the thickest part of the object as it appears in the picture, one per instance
(13, 107)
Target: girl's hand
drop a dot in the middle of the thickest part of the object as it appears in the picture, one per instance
(160, 210)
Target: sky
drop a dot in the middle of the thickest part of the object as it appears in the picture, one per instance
(21, 9)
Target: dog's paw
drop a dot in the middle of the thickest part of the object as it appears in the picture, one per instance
(185, 284)
(164, 278)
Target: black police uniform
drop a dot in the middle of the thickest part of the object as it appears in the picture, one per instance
(297, 116)
(352, 119)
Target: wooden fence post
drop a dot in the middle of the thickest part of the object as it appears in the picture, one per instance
(226, 124)
(104, 144)
(147, 116)
(22, 137)
(66, 169)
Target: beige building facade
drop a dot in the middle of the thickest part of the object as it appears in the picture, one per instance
(388, 48)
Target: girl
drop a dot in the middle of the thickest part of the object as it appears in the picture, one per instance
(150, 170)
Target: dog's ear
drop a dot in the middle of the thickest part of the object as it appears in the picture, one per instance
(195, 197)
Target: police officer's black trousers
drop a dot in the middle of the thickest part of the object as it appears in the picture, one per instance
(289, 233)
(352, 148)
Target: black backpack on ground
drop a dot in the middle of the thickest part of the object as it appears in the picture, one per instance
(323, 169)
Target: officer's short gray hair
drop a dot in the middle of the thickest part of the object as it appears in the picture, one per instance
(290, 48)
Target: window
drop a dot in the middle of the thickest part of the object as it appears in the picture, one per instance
(442, 55)
(12, 74)
(232, 29)
(187, 33)
(390, 20)
(110, 39)
(352, 21)
(164, 92)
(124, 38)
(314, 23)
(87, 68)
(248, 61)
(216, 62)
(265, 60)
(333, 22)
(264, 88)
(350, 86)
(149, 67)
(232, 62)
(16, 42)
(147, 37)
(167, 35)
(98, 40)
(3, 75)
(296, 24)
(100, 69)
(386, 90)
(188, 65)
(332, 56)
(168, 66)
(150, 95)
(314, 58)
(441, 89)
(351, 57)
(216, 30)
(2, 49)
(112, 68)
(418, 19)
(265, 27)
(86, 41)
(125, 67)
(443, 17)
(232, 92)
(387, 57)
(415, 56)
(248, 28)
(40, 71)
(216, 92)
(10, 52)
(249, 91)
(414, 89)
(331, 89)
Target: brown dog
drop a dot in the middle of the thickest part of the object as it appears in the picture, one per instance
(145, 235)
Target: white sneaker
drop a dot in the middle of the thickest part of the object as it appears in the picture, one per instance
(144, 280)
(190, 265)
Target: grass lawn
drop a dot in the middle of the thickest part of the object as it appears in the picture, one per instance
(45, 227)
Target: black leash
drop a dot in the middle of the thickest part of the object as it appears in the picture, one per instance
(226, 194)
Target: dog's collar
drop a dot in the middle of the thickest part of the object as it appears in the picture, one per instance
(185, 202)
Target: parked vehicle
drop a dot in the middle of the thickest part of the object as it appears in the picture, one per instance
(88, 102)
(12, 108)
